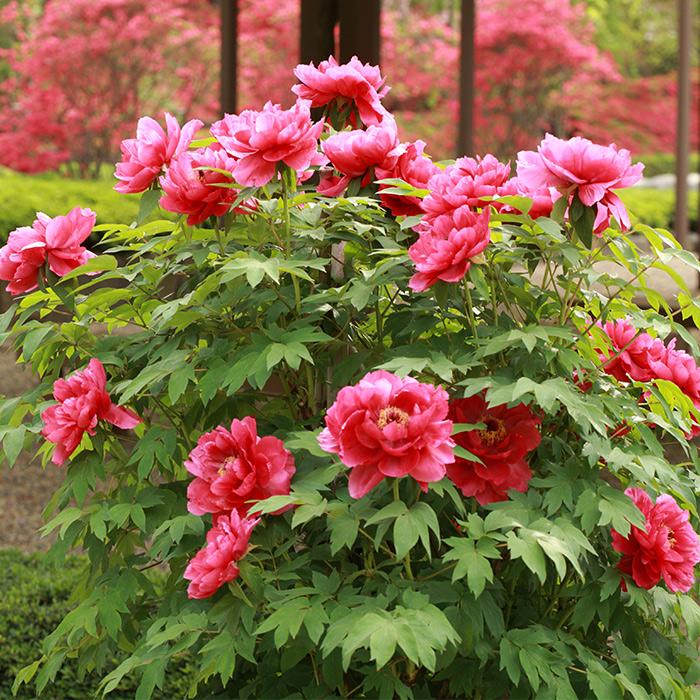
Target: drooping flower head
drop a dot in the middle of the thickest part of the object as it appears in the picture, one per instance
(234, 468)
(579, 167)
(353, 82)
(447, 245)
(465, 184)
(143, 157)
(412, 167)
(53, 241)
(354, 154)
(190, 187)
(502, 445)
(83, 400)
(215, 564)
(261, 140)
(388, 426)
(667, 547)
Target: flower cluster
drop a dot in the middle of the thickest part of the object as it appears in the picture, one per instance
(637, 356)
(233, 469)
(383, 426)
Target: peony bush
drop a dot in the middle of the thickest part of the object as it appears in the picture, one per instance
(362, 424)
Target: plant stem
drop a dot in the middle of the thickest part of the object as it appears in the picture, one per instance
(470, 308)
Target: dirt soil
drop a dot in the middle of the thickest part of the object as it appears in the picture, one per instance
(26, 488)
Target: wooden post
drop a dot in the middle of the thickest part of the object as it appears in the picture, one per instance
(683, 122)
(229, 56)
(359, 30)
(465, 134)
(318, 19)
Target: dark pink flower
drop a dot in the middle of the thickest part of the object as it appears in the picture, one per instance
(502, 445)
(630, 352)
(580, 167)
(667, 547)
(189, 187)
(388, 426)
(235, 468)
(355, 153)
(412, 167)
(143, 158)
(447, 245)
(260, 141)
(354, 82)
(466, 183)
(215, 564)
(82, 402)
(54, 241)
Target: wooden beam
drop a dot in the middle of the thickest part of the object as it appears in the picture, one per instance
(229, 56)
(359, 30)
(318, 20)
(465, 132)
(683, 121)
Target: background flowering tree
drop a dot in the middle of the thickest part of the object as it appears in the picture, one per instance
(539, 69)
(327, 446)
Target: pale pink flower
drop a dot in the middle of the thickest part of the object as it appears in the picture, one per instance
(215, 564)
(82, 402)
(355, 153)
(262, 140)
(143, 157)
(354, 82)
(56, 242)
(447, 245)
(389, 426)
(579, 167)
(667, 547)
(412, 167)
(235, 468)
(190, 187)
(466, 183)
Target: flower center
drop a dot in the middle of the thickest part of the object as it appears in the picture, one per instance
(494, 432)
(391, 414)
(229, 461)
(671, 538)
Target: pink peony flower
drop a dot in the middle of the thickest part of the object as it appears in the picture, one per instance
(355, 153)
(579, 167)
(510, 433)
(446, 246)
(82, 402)
(388, 426)
(189, 188)
(235, 468)
(542, 199)
(54, 241)
(411, 167)
(465, 184)
(215, 564)
(667, 547)
(354, 82)
(676, 366)
(630, 352)
(143, 158)
(262, 140)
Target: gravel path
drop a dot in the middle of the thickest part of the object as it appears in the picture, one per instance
(26, 488)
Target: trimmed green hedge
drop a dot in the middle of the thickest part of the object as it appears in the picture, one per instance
(21, 196)
(35, 598)
(656, 207)
(661, 163)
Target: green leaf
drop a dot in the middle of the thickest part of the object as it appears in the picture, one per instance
(528, 549)
(13, 443)
(382, 643)
(100, 263)
(406, 533)
(149, 201)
